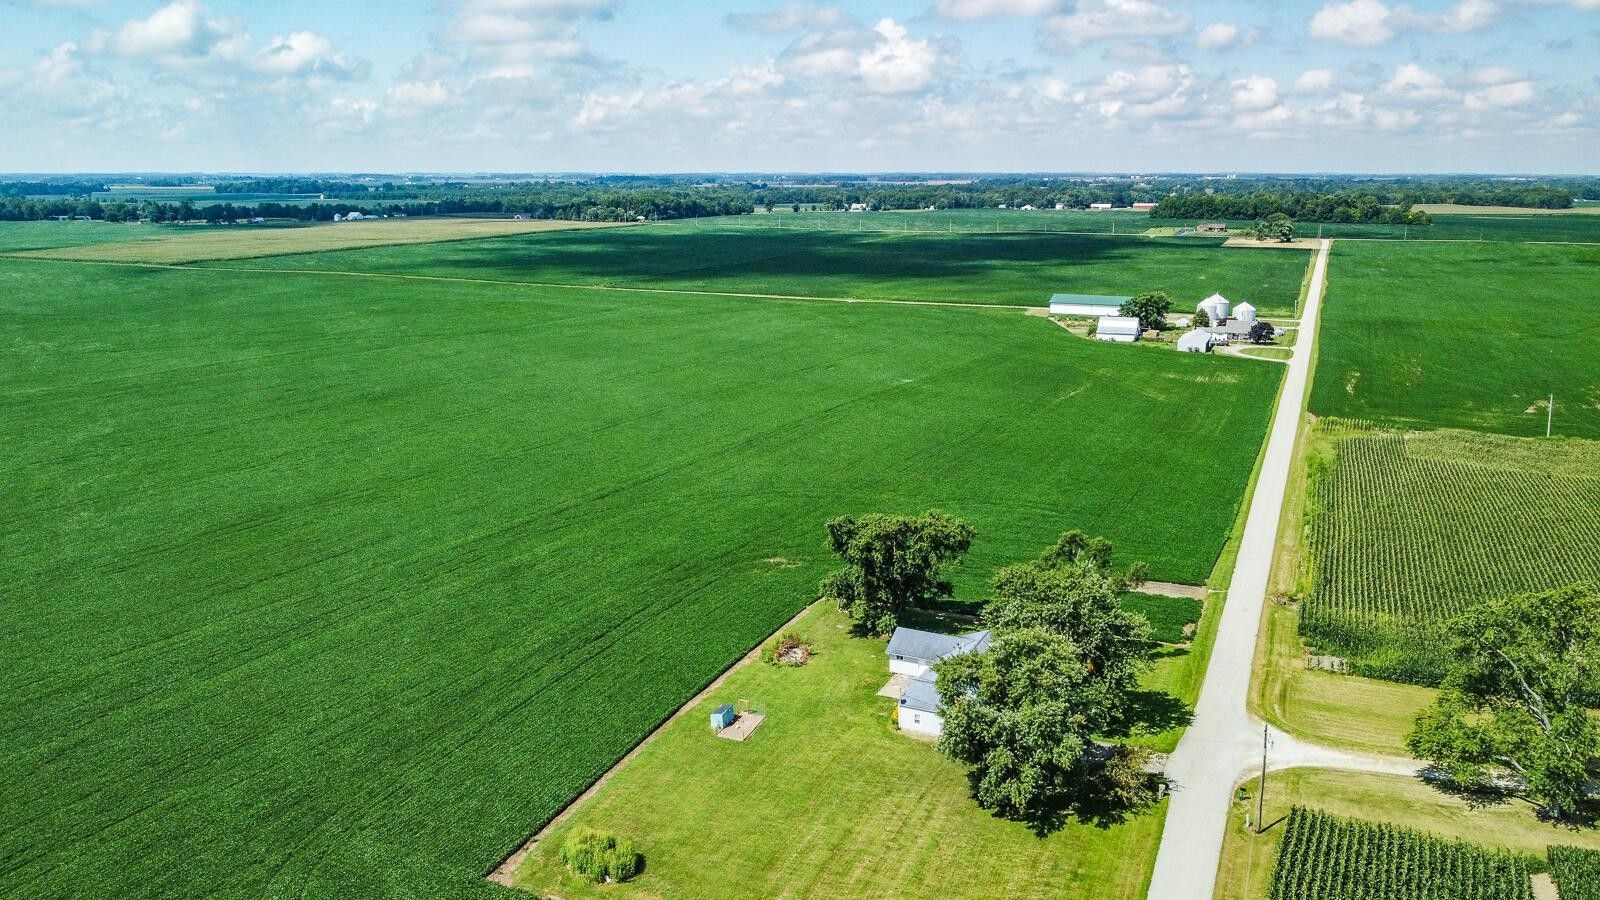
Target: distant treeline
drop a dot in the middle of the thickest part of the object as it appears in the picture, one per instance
(596, 209)
(1304, 206)
(629, 197)
(49, 188)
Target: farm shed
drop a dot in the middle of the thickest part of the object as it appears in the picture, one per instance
(722, 717)
(1198, 341)
(1100, 206)
(1144, 206)
(1215, 307)
(1122, 329)
(1095, 305)
(1212, 228)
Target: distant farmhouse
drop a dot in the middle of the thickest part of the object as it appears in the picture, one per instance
(1091, 305)
(1213, 228)
(912, 654)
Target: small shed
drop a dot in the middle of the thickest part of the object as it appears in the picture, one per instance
(1244, 312)
(1212, 227)
(1091, 305)
(722, 717)
(1122, 329)
(1215, 307)
(1195, 342)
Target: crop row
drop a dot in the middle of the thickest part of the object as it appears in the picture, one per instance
(1576, 872)
(1411, 528)
(1325, 857)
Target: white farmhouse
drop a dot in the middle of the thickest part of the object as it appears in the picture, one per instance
(912, 654)
(1121, 329)
(1215, 307)
(1089, 305)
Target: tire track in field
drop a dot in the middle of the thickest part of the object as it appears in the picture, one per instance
(546, 284)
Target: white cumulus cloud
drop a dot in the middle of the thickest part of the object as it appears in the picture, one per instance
(1095, 20)
(897, 63)
(1217, 35)
(1315, 81)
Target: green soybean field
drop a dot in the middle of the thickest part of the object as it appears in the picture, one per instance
(324, 587)
(1325, 857)
(1408, 528)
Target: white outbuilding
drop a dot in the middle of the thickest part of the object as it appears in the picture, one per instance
(1244, 312)
(1122, 329)
(1215, 307)
(1197, 341)
(1086, 305)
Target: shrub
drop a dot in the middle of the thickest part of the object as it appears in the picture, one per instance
(787, 649)
(601, 856)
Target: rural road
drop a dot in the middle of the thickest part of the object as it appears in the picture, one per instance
(1223, 744)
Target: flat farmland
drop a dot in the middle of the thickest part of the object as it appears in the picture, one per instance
(1472, 336)
(1409, 529)
(194, 243)
(329, 587)
(19, 236)
(1007, 268)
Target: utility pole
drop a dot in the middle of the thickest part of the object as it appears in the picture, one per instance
(1261, 794)
(1549, 415)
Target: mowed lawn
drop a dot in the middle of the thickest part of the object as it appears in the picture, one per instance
(1007, 268)
(828, 799)
(334, 587)
(1472, 336)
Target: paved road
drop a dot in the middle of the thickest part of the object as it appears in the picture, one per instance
(1223, 745)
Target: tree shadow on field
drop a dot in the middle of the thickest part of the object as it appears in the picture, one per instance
(774, 260)
(1151, 712)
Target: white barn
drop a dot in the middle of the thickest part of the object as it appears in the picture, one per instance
(1089, 305)
(1197, 341)
(1215, 307)
(912, 654)
(1121, 329)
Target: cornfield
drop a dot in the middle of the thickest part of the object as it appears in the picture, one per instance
(1576, 872)
(1410, 528)
(1324, 857)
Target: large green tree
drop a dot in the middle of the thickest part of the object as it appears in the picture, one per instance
(1276, 227)
(1022, 716)
(1514, 708)
(1149, 308)
(1071, 590)
(892, 563)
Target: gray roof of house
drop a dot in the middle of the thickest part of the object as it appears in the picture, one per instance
(1233, 328)
(928, 647)
(921, 694)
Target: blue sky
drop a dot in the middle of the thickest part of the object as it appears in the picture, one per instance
(970, 85)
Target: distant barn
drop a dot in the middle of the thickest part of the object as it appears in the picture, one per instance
(1092, 305)
(1121, 329)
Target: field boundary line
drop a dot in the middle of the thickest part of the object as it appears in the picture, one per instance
(192, 267)
(502, 873)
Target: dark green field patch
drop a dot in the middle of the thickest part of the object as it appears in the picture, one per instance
(1009, 269)
(1168, 616)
